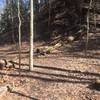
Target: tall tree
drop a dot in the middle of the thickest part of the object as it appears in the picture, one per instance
(9, 20)
(19, 30)
(31, 35)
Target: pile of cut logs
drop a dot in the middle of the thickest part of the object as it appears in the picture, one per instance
(6, 64)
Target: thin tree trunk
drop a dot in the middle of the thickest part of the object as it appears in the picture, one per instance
(94, 18)
(19, 35)
(95, 21)
(31, 36)
(49, 19)
(88, 28)
(12, 18)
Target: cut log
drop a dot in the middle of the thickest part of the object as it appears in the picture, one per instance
(47, 49)
(6, 64)
(3, 90)
(70, 38)
(96, 85)
(3, 63)
(10, 64)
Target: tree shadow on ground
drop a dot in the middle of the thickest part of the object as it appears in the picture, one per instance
(51, 79)
(77, 48)
(94, 86)
(23, 95)
(56, 69)
(53, 74)
(23, 52)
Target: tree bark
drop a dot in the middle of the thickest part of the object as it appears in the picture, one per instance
(31, 36)
(19, 30)
(88, 27)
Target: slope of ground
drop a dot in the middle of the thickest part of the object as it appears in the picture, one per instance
(63, 76)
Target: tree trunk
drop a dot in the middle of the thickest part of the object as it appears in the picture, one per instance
(31, 36)
(88, 27)
(19, 35)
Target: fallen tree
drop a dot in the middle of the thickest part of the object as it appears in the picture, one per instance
(65, 17)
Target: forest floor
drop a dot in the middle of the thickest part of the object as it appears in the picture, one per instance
(66, 75)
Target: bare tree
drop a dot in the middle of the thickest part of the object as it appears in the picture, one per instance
(19, 29)
(31, 35)
(12, 19)
(88, 26)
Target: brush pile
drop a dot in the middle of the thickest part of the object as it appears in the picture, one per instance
(65, 17)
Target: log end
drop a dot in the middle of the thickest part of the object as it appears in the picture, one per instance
(3, 63)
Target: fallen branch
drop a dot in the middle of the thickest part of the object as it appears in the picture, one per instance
(6, 64)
